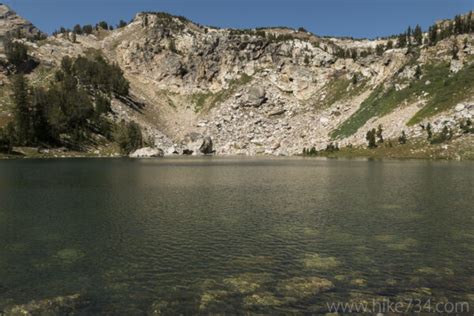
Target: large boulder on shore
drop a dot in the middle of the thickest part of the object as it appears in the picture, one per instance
(147, 152)
(206, 147)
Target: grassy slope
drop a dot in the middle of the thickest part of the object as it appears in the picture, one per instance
(461, 148)
(445, 91)
(206, 101)
(341, 89)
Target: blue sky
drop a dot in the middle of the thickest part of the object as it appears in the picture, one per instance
(357, 18)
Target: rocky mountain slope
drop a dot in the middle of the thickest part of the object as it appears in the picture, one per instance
(273, 91)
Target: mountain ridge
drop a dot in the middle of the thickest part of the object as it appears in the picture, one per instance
(274, 91)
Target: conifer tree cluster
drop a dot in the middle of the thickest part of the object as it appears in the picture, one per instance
(70, 109)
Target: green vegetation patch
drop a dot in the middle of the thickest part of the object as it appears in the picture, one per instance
(340, 89)
(206, 101)
(445, 91)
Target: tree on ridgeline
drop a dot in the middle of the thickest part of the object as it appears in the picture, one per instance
(402, 40)
(418, 35)
(122, 24)
(433, 35)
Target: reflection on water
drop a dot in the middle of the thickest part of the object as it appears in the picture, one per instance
(224, 235)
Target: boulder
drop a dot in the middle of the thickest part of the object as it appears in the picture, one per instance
(459, 107)
(147, 152)
(456, 66)
(206, 147)
(255, 97)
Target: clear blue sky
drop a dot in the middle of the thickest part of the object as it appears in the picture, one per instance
(357, 18)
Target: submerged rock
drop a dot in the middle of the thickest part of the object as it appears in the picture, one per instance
(63, 305)
(315, 261)
(300, 288)
(212, 297)
(70, 255)
(247, 282)
(261, 299)
(359, 282)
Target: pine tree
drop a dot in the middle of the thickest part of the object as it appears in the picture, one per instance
(403, 138)
(390, 44)
(16, 52)
(433, 34)
(418, 35)
(379, 134)
(418, 72)
(370, 137)
(409, 36)
(22, 115)
(455, 50)
(402, 40)
(429, 131)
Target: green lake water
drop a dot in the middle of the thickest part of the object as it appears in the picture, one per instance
(208, 235)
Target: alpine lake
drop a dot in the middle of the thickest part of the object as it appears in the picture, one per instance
(236, 235)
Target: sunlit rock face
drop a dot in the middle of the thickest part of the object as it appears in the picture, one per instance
(272, 91)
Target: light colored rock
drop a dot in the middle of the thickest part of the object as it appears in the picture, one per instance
(147, 152)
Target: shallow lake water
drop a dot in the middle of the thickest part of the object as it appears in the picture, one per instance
(235, 235)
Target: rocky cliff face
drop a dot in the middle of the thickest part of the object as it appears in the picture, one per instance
(11, 23)
(273, 91)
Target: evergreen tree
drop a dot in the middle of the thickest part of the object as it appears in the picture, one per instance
(429, 131)
(77, 29)
(87, 29)
(16, 52)
(370, 137)
(418, 35)
(379, 49)
(402, 40)
(128, 136)
(409, 36)
(403, 138)
(389, 44)
(418, 72)
(455, 50)
(379, 134)
(433, 34)
(122, 24)
(103, 25)
(5, 142)
(102, 104)
(22, 114)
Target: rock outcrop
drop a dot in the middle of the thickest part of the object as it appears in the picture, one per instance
(147, 152)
